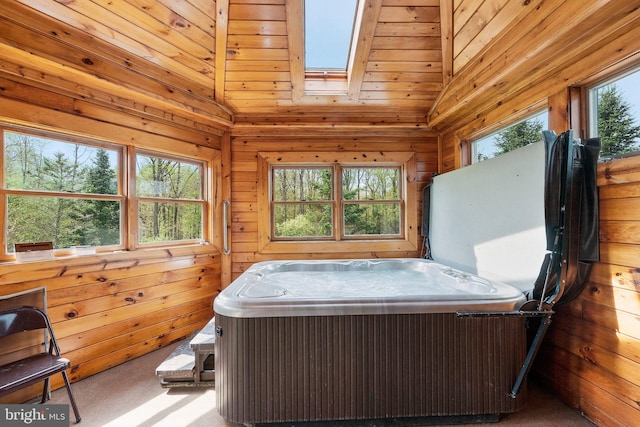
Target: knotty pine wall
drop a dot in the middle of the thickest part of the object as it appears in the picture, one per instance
(112, 307)
(591, 355)
(245, 145)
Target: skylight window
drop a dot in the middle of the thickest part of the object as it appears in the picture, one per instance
(328, 32)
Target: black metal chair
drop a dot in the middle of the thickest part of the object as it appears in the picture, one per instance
(33, 369)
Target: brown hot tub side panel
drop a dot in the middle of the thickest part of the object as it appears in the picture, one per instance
(309, 368)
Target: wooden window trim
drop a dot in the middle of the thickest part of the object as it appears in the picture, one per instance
(408, 241)
(212, 207)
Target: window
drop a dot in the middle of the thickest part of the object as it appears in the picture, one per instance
(509, 138)
(71, 191)
(302, 200)
(328, 32)
(60, 190)
(614, 114)
(337, 201)
(170, 198)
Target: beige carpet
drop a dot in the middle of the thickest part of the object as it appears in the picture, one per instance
(130, 395)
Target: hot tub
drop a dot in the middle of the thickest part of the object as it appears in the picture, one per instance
(366, 339)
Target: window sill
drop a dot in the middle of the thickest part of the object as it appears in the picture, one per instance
(282, 247)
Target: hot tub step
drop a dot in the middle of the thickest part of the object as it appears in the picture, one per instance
(191, 364)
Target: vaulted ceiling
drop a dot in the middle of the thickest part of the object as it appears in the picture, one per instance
(246, 55)
(227, 62)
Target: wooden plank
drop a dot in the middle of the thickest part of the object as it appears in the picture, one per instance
(222, 31)
(600, 366)
(620, 191)
(596, 17)
(616, 343)
(26, 67)
(258, 86)
(295, 34)
(435, 77)
(180, 129)
(481, 27)
(74, 48)
(173, 317)
(408, 66)
(246, 54)
(406, 42)
(154, 17)
(405, 55)
(410, 14)
(620, 231)
(569, 377)
(21, 113)
(615, 297)
(619, 254)
(258, 66)
(364, 30)
(115, 29)
(447, 22)
(199, 13)
(620, 209)
(257, 42)
(620, 171)
(266, 28)
(615, 275)
(257, 12)
(408, 29)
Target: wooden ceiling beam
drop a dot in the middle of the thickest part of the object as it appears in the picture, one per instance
(222, 31)
(446, 38)
(363, 33)
(295, 31)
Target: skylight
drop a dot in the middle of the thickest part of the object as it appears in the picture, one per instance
(328, 32)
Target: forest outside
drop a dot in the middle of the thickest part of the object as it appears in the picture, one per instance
(368, 200)
(71, 193)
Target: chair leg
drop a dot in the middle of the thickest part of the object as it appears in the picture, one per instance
(71, 398)
(45, 391)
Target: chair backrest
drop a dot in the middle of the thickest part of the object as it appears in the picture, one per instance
(22, 319)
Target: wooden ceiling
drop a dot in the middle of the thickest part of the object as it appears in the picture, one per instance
(246, 55)
(214, 64)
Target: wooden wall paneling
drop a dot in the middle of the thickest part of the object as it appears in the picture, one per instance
(245, 176)
(503, 72)
(109, 308)
(118, 30)
(183, 130)
(222, 33)
(446, 39)
(491, 18)
(78, 49)
(22, 66)
(17, 112)
(591, 355)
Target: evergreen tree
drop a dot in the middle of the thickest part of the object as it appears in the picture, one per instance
(616, 123)
(518, 135)
(103, 214)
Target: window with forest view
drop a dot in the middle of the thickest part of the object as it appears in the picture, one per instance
(614, 114)
(71, 191)
(516, 135)
(367, 199)
(170, 197)
(61, 191)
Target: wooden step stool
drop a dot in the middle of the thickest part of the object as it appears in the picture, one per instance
(191, 364)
